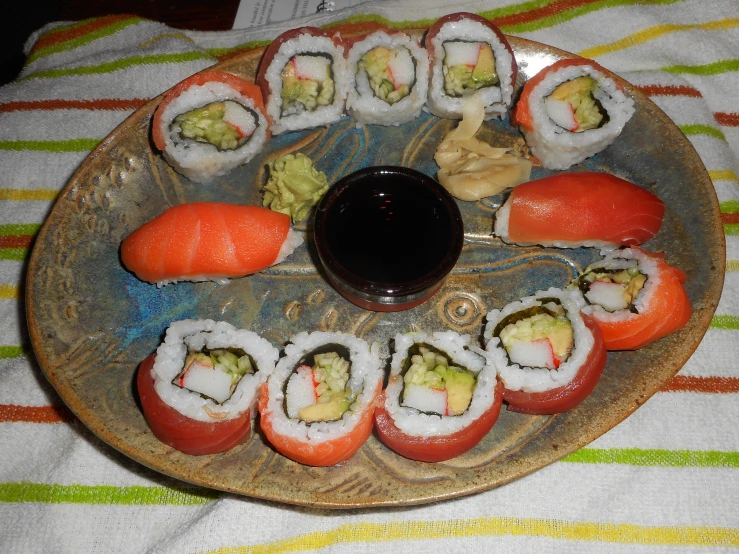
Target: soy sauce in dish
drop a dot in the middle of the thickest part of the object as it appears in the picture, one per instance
(390, 231)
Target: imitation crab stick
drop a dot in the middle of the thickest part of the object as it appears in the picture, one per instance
(208, 241)
(570, 210)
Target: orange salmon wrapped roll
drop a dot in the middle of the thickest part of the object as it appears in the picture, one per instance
(570, 111)
(317, 407)
(198, 391)
(208, 241)
(209, 124)
(635, 297)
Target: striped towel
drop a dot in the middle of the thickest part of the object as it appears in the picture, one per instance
(665, 479)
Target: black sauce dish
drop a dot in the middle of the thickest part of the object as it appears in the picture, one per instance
(387, 237)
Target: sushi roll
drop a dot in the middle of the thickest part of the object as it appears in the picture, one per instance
(208, 241)
(303, 78)
(442, 397)
(209, 124)
(199, 390)
(317, 406)
(549, 355)
(570, 111)
(570, 210)
(390, 78)
(469, 55)
(635, 297)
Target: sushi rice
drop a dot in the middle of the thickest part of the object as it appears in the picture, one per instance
(623, 259)
(305, 43)
(363, 105)
(497, 98)
(190, 335)
(365, 376)
(558, 148)
(538, 379)
(457, 348)
(201, 162)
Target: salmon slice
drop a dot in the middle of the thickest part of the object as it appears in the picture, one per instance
(580, 209)
(205, 241)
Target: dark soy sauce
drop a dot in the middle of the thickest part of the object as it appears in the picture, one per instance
(390, 231)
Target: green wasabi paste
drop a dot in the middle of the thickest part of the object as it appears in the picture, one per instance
(294, 186)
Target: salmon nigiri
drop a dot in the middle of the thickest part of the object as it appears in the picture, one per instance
(569, 210)
(635, 297)
(208, 241)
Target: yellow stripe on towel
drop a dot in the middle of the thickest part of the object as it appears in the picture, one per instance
(723, 175)
(31, 194)
(487, 527)
(8, 292)
(651, 33)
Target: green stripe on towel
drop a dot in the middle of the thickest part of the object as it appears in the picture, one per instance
(13, 254)
(729, 207)
(123, 63)
(699, 129)
(103, 494)
(19, 229)
(714, 68)
(569, 14)
(730, 322)
(654, 457)
(82, 40)
(731, 229)
(12, 351)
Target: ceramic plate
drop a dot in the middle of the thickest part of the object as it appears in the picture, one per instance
(92, 322)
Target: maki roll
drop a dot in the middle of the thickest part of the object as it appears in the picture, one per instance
(390, 78)
(208, 241)
(570, 111)
(209, 124)
(549, 355)
(442, 398)
(317, 406)
(199, 390)
(635, 297)
(303, 77)
(570, 210)
(469, 55)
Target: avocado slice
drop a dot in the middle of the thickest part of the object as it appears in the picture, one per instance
(206, 125)
(460, 385)
(484, 73)
(325, 411)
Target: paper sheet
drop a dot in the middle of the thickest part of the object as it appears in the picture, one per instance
(252, 13)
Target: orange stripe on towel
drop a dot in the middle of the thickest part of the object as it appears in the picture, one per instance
(35, 414)
(730, 219)
(670, 90)
(727, 119)
(75, 31)
(545, 11)
(101, 104)
(10, 241)
(720, 385)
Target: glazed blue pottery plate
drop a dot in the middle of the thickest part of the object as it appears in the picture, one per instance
(92, 322)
